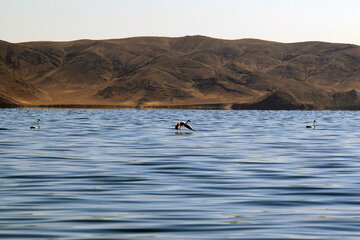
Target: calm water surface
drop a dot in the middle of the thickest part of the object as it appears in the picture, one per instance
(125, 174)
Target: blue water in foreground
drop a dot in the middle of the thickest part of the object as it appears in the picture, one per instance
(125, 174)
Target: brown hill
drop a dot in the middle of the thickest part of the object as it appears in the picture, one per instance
(192, 71)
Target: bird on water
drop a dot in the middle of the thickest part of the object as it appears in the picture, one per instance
(313, 126)
(185, 124)
(38, 125)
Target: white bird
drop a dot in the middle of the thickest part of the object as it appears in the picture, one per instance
(313, 126)
(38, 125)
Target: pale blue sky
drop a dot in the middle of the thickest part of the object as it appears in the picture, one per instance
(277, 20)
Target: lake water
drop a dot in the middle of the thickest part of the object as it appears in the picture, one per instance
(126, 174)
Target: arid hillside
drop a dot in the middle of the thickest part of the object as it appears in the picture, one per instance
(187, 72)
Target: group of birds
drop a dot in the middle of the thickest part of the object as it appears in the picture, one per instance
(177, 126)
(185, 124)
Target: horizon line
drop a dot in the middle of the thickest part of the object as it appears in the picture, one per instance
(173, 37)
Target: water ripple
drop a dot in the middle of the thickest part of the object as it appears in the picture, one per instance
(116, 174)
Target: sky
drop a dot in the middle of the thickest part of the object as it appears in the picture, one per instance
(275, 20)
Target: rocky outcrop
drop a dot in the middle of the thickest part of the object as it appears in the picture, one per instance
(273, 101)
(5, 102)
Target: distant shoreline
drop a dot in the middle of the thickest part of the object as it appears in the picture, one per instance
(90, 106)
(175, 107)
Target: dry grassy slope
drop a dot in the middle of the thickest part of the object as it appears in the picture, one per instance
(13, 88)
(151, 71)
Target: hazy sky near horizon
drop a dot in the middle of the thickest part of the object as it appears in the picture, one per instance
(276, 20)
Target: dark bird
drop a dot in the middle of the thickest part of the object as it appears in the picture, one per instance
(313, 126)
(38, 125)
(180, 124)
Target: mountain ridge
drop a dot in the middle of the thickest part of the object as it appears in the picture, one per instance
(195, 71)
